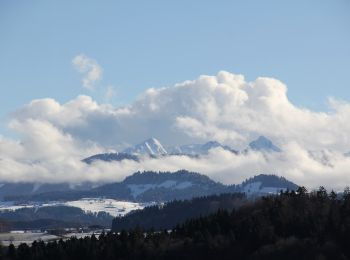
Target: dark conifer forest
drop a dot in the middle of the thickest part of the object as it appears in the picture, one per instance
(292, 225)
(170, 214)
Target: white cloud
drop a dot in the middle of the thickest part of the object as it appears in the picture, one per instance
(225, 107)
(295, 164)
(90, 70)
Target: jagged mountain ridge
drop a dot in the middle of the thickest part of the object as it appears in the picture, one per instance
(153, 148)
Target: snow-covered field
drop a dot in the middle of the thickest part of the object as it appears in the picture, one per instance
(113, 207)
(94, 205)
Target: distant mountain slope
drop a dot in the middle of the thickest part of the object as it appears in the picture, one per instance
(142, 187)
(18, 189)
(162, 186)
(263, 144)
(173, 213)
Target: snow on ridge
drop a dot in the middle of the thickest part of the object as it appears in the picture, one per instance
(167, 184)
(183, 185)
(255, 188)
(137, 189)
(252, 187)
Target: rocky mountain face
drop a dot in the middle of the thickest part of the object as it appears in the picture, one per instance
(151, 147)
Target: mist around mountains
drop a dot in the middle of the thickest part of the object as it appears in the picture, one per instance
(260, 155)
(220, 162)
(153, 148)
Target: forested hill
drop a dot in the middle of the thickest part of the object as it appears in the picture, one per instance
(151, 186)
(290, 226)
(159, 217)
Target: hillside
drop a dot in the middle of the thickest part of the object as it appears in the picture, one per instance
(54, 217)
(291, 226)
(153, 186)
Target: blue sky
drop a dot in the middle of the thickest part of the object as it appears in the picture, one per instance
(142, 44)
(47, 47)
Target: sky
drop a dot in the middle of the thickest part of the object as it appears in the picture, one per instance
(83, 77)
(140, 44)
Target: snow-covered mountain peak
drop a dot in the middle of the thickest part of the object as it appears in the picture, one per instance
(150, 146)
(263, 144)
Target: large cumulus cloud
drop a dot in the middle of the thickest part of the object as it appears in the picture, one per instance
(227, 108)
(223, 107)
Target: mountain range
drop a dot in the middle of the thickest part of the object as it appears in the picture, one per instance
(152, 147)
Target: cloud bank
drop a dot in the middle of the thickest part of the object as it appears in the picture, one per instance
(225, 107)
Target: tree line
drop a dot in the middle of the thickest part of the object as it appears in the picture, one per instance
(292, 225)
